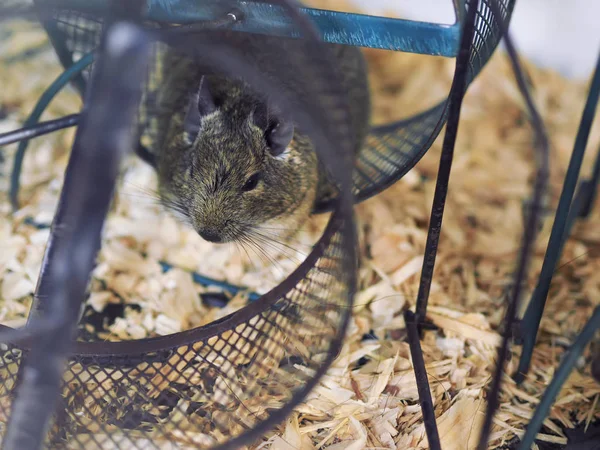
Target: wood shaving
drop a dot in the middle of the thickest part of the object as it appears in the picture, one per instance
(368, 399)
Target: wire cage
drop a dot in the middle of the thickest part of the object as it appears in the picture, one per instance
(391, 149)
(226, 370)
(207, 387)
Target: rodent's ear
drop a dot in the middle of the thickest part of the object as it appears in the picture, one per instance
(279, 135)
(201, 104)
(206, 103)
(260, 116)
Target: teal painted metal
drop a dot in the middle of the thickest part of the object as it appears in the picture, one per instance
(394, 148)
(57, 85)
(336, 27)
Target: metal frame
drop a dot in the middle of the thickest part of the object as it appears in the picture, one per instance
(350, 29)
(336, 27)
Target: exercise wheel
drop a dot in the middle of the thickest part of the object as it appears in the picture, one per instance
(207, 387)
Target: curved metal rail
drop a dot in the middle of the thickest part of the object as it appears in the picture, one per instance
(208, 387)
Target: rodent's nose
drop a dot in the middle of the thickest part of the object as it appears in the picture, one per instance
(210, 236)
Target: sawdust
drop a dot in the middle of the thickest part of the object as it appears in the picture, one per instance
(368, 399)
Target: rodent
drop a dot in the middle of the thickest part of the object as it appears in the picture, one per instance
(228, 163)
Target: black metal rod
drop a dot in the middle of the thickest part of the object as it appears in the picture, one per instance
(591, 189)
(535, 309)
(416, 353)
(457, 93)
(565, 368)
(542, 157)
(18, 335)
(61, 123)
(574, 212)
(102, 141)
(39, 129)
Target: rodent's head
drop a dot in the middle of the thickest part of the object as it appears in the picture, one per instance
(233, 165)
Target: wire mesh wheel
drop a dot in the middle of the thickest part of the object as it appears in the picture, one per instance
(390, 151)
(234, 378)
(133, 391)
(229, 381)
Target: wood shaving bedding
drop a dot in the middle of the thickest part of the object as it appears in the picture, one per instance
(368, 399)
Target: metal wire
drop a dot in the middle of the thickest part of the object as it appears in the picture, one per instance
(99, 147)
(566, 366)
(542, 160)
(45, 325)
(39, 129)
(591, 188)
(391, 150)
(427, 408)
(229, 20)
(314, 303)
(457, 92)
(533, 315)
(52, 90)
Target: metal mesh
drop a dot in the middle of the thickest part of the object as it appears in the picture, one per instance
(245, 372)
(205, 386)
(213, 384)
(81, 31)
(391, 150)
(208, 385)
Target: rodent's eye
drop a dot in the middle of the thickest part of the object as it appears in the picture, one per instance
(251, 182)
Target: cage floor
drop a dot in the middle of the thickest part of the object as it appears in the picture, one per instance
(369, 397)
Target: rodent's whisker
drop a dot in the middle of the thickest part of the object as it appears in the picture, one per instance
(276, 261)
(281, 230)
(241, 244)
(147, 201)
(177, 211)
(175, 207)
(273, 243)
(289, 240)
(145, 190)
(285, 238)
(140, 193)
(155, 201)
(254, 245)
(262, 227)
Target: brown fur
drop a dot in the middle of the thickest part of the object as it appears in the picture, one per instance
(202, 180)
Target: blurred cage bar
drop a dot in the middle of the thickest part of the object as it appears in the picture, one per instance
(209, 385)
(220, 384)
